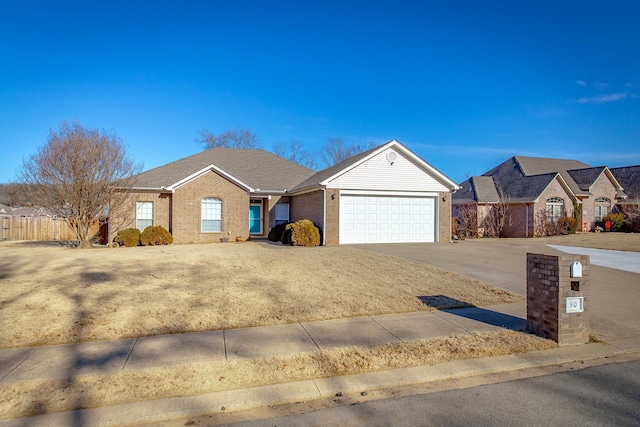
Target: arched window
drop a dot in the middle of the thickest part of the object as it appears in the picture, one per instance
(555, 207)
(603, 206)
(211, 215)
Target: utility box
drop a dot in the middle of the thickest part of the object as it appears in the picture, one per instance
(558, 297)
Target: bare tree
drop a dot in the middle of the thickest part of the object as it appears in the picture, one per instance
(78, 175)
(467, 220)
(336, 150)
(294, 151)
(230, 138)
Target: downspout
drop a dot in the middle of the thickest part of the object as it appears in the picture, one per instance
(324, 217)
(526, 210)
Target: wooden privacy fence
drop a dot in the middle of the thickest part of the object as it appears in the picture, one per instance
(34, 228)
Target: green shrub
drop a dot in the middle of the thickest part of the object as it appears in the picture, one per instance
(301, 233)
(617, 221)
(156, 235)
(568, 225)
(128, 237)
(275, 234)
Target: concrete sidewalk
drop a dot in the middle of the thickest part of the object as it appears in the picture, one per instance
(615, 318)
(57, 362)
(102, 357)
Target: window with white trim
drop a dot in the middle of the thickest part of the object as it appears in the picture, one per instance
(282, 213)
(603, 205)
(211, 215)
(554, 208)
(144, 215)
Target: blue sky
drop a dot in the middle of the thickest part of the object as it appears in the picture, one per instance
(465, 85)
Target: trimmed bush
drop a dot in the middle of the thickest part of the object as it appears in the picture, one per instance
(156, 235)
(301, 233)
(275, 234)
(617, 221)
(567, 225)
(128, 237)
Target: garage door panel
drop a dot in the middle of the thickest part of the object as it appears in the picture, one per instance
(386, 219)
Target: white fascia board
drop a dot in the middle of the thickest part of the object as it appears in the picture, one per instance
(388, 193)
(611, 177)
(202, 171)
(347, 169)
(439, 175)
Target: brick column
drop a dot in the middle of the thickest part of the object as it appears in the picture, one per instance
(549, 284)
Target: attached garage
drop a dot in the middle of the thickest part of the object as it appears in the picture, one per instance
(387, 219)
(384, 195)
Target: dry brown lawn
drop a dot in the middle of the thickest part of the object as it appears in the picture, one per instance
(55, 295)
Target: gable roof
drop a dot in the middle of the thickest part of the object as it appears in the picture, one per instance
(254, 169)
(523, 179)
(324, 176)
(629, 179)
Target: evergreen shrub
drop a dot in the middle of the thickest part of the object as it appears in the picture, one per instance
(128, 237)
(156, 235)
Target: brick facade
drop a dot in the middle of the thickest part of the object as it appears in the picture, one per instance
(601, 188)
(548, 286)
(125, 216)
(308, 206)
(443, 222)
(186, 210)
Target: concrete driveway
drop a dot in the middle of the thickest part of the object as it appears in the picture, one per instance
(615, 293)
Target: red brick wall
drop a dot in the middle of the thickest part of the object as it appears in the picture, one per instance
(186, 213)
(308, 206)
(443, 222)
(601, 188)
(555, 189)
(125, 216)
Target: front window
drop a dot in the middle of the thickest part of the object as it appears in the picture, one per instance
(554, 207)
(144, 215)
(603, 206)
(282, 213)
(211, 215)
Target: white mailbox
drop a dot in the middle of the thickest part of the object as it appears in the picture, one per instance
(576, 269)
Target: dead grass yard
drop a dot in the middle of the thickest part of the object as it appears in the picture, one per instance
(612, 241)
(55, 295)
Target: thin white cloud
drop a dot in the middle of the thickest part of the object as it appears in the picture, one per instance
(581, 83)
(601, 85)
(603, 99)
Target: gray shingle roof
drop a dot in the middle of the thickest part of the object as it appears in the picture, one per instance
(315, 179)
(541, 165)
(523, 179)
(258, 169)
(629, 179)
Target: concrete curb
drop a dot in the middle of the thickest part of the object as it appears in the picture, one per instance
(234, 400)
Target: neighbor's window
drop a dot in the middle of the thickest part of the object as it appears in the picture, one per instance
(554, 207)
(282, 213)
(211, 215)
(603, 205)
(144, 215)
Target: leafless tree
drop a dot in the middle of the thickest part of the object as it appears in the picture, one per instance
(631, 212)
(78, 175)
(230, 138)
(336, 150)
(294, 151)
(498, 217)
(467, 220)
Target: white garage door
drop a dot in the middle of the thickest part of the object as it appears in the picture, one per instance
(378, 219)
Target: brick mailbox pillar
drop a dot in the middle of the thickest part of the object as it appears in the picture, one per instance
(558, 297)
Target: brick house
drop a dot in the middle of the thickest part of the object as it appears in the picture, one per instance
(386, 194)
(534, 192)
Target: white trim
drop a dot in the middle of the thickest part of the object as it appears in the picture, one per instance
(202, 171)
(388, 193)
(563, 184)
(399, 147)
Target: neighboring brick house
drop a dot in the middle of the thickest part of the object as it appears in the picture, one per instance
(386, 194)
(534, 192)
